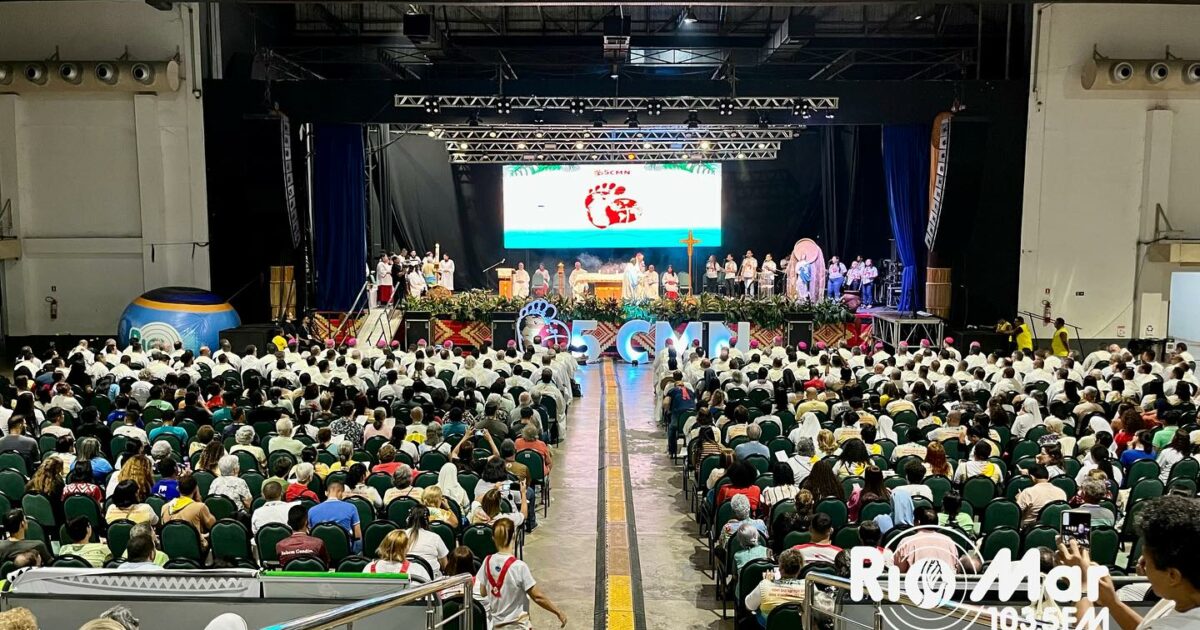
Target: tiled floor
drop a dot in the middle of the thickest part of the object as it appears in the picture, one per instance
(676, 583)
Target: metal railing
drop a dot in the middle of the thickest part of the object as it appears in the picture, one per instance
(349, 613)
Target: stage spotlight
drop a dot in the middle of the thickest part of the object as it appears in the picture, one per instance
(431, 133)
(106, 73)
(473, 120)
(598, 120)
(521, 146)
(764, 122)
(806, 113)
(689, 16)
(433, 105)
(578, 146)
(614, 71)
(70, 73)
(595, 156)
(797, 107)
(632, 119)
(577, 106)
(646, 145)
(705, 145)
(631, 156)
(463, 145)
(503, 106)
(539, 134)
(725, 107)
(654, 108)
(693, 120)
(741, 156)
(762, 145)
(829, 115)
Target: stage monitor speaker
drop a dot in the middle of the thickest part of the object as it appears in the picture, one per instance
(418, 325)
(258, 335)
(799, 328)
(504, 329)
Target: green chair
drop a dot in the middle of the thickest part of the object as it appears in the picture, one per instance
(445, 532)
(1141, 469)
(434, 460)
(254, 480)
(1040, 536)
(1051, 514)
(796, 538)
(374, 534)
(1144, 489)
(222, 507)
(1000, 513)
(836, 509)
(118, 536)
(353, 564)
(13, 461)
(979, 490)
(848, 485)
(85, 506)
(452, 607)
(69, 561)
(204, 479)
(873, 509)
(1025, 448)
(398, 509)
(366, 511)
(246, 461)
(939, 486)
(786, 617)
(1002, 538)
(478, 538)
(267, 537)
(306, 564)
(1105, 543)
(231, 540)
(46, 444)
(1067, 484)
(425, 479)
(336, 539)
(847, 537)
(537, 475)
(181, 540)
(1186, 468)
(1016, 485)
(468, 481)
(382, 482)
(781, 508)
(276, 456)
(38, 508)
(782, 444)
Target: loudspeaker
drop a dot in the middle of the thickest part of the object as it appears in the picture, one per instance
(418, 325)
(709, 317)
(418, 27)
(259, 335)
(799, 328)
(504, 329)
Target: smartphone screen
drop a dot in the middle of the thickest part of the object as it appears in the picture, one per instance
(1076, 526)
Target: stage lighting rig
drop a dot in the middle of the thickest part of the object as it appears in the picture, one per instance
(577, 106)
(693, 120)
(598, 120)
(764, 121)
(631, 120)
(433, 105)
(474, 120)
(503, 106)
(654, 108)
(725, 107)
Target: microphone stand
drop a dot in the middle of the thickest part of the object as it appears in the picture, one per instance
(485, 271)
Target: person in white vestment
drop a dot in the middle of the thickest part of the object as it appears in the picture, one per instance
(520, 281)
(446, 273)
(578, 285)
(631, 289)
(670, 283)
(416, 283)
(650, 284)
(383, 278)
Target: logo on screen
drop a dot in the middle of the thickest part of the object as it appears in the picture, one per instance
(607, 205)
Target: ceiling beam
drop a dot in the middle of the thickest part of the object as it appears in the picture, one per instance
(699, 3)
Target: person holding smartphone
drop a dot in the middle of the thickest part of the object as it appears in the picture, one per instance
(1170, 559)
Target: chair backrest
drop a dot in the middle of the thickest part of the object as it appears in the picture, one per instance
(432, 461)
(307, 564)
(1002, 538)
(374, 534)
(366, 511)
(836, 509)
(181, 540)
(85, 506)
(12, 484)
(536, 465)
(13, 461)
(451, 608)
(425, 479)
(267, 537)
(1105, 543)
(221, 506)
(1040, 536)
(979, 490)
(336, 539)
(1000, 513)
(204, 479)
(785, 617)
(398, 509)
(1141, 469)
(38, 508)
(230, 539)
(118, 536)
(353, 564)
(1051, 514)
(478, 538)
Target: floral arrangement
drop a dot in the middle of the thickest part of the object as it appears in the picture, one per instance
(770, 312)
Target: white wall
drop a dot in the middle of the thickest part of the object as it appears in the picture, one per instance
(1098, 161)
(97, 180)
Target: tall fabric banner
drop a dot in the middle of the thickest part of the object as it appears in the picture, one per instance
(939, 161)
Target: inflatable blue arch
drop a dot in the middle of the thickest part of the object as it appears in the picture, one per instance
(189, 315)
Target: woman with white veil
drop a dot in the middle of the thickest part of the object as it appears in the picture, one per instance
(886, 430)
(809, 427)
(1030, 417)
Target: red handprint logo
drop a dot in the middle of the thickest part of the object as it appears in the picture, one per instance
(606, 205)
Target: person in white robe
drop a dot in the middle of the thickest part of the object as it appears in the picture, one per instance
(383, 278)
(650, 284)
(446, 273)
(670, 283)
(578, 285)
(520, 281)
(631, 289)
(416, 283)
(766, 277)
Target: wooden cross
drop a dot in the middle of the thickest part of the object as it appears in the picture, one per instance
(691, 241)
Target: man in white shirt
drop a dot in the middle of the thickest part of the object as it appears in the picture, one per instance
(274, 510)
(749, 273)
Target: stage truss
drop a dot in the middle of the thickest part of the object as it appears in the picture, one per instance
(892, 327)
(824, 104)
(575, 133)
(599, 157)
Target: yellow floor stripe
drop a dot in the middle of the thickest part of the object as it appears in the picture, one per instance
(619, 588)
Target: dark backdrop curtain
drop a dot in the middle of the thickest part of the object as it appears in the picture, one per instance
(767, 207)
(906, 172)
(339, 215)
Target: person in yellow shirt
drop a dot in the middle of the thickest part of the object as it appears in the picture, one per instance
(1060, 343)
(1024, 336)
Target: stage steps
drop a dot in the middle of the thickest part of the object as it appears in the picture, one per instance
(379, 323)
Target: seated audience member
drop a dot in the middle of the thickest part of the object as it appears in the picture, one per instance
(15, 528)
(1093, 492)
(1031, 500)
(926, 544)
(273, 510)
(741, 516)
(783, 485)
(979, 465)
(303, 473)
(140, 553)
(771, 593)
(423, 542)
(742, 475)
(300, 543)
(952, 515)
(335, 510)
(751, 547)
(820, 547)
(914, 474)
(1168, 531)
(392, 557)
(402, 486)
(79, 534)
(188, 507)
(125, 505)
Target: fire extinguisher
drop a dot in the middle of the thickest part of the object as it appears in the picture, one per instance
(1046, 312)
(53, 307)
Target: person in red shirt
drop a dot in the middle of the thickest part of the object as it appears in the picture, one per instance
(819, 548)
(742, 475)
(300, 544)
(216, 398)
(299, 489)
(530, 440)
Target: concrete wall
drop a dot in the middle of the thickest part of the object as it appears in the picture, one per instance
(107, 190)
(1098, 162)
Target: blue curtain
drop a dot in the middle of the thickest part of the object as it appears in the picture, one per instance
(339, 215)
(906, 174)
